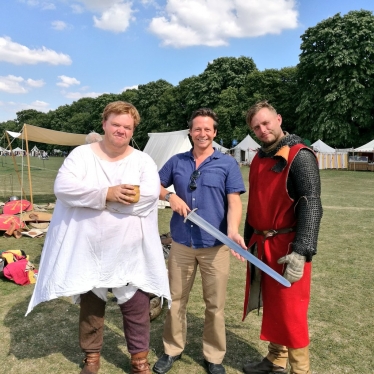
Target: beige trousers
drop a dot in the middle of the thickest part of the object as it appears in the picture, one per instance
(298, 358)
(214, 264)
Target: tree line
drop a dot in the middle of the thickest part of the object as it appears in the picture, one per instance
(329, 95)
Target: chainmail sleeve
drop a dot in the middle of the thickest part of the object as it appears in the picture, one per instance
(304, 186)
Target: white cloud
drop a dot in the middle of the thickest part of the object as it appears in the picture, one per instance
(59, 25)
(18, 85)
(79, 95)
(35, 83)
(99, 5)
(116, 19)
(67, 81)
(111, 15)
(30, 2)
(48, 6)
(10, 108)
(153, 3)
(77, 9)
(213, 22)
(42, 106)
(130, 88)
(44, 5)
(18, 54)
(12, 84)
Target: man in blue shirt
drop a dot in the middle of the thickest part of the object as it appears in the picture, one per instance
(211, 182)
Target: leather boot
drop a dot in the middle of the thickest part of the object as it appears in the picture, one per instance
(139, 363)
(263, 367)
(91, 363)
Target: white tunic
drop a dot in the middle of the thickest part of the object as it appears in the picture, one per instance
(92, 243)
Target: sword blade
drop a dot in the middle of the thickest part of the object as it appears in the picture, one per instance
(193, 217)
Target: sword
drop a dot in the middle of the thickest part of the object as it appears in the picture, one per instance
(193, 217)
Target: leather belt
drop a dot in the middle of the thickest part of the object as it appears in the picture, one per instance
(270, 233)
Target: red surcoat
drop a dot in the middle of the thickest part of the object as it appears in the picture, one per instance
(270, 207)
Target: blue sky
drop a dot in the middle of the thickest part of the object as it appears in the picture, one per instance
(54, 52)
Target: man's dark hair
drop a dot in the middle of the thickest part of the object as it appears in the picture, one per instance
(204, 112)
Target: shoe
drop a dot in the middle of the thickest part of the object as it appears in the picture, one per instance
(139, 363)
(214, 368)
(91, 363)
(164, 363)
(263, 367)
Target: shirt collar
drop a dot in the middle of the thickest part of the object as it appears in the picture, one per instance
(215, 154)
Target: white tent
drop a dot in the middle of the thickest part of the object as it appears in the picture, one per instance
(3, 151)
(18, 151)
(328, 157)
(219, 147)
(245, 150)
(35, 151)
(162, 145)
(368, 147)
(320, 146)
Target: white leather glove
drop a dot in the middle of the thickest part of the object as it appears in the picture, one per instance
(295, 266)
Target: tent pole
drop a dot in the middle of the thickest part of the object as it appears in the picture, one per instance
(15, 164)
(28, 163)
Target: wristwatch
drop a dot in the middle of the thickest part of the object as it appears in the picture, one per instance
(167, 196)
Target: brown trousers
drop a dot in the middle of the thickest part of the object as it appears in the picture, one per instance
(136, 322)
(298, 358)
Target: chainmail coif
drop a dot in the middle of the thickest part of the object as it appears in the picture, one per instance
(304, 187)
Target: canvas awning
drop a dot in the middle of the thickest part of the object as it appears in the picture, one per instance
(41, 135)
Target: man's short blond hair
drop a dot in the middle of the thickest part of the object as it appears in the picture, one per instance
(254, 109)
(121, 107)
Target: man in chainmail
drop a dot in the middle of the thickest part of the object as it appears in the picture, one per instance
(282, 224)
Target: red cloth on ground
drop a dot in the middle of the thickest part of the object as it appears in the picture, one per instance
(16, 271)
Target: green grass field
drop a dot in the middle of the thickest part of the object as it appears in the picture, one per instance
(340, 314)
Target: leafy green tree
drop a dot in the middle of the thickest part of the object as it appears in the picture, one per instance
(231, 117)
(182, 103)
(279, 88)
(222, 73)
(97, 108)
(7, 126)
(336, 80)
(149, 105)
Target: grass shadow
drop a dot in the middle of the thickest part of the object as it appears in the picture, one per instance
(54, 327)
(238, 352)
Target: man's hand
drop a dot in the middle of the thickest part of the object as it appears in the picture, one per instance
(123, 193)
(239, 240)
(295, 266)
(178, 205)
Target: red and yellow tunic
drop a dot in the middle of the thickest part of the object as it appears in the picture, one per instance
(271, 208)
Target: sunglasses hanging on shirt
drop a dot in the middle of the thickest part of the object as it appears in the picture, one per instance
(194, 176)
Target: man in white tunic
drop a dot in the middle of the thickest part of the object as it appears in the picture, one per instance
(101, 238)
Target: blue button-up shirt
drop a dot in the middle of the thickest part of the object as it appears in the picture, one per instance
(219, 176)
